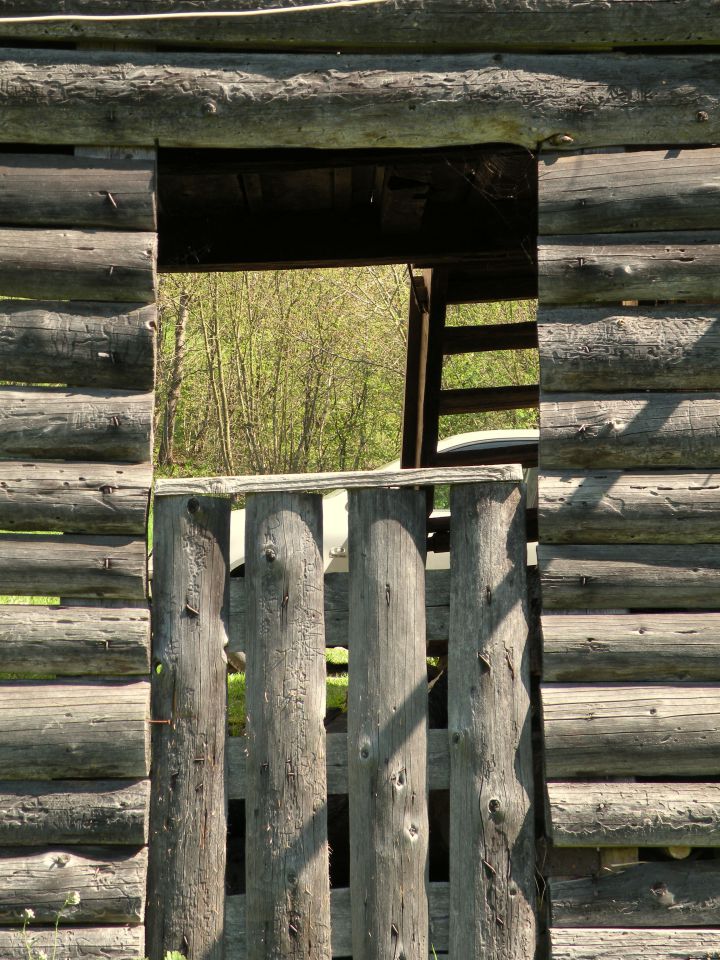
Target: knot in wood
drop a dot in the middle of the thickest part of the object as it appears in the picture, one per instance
(702, 116)
(270, 552)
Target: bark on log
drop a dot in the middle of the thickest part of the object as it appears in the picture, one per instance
(632, 729)
(634, 814)
(605, 349)
(672, 646)
(80, 344)
(74, 811)
(82, 943)
(270, 100)
(104, 425)
(73, 641)
(623, 944)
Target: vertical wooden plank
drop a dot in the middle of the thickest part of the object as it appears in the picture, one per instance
(288, 883)
(387, 725)
(186, 880)
(492, 853)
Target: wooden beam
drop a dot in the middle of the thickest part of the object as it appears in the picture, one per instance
(488, 399)
(624, 944)
(79, 943)
(415, 364)
(489, 337)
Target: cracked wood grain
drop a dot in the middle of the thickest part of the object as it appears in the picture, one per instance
(647, 944)
(80, 943)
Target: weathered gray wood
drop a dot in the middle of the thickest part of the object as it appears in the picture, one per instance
(630, 430)
(188, 829)
(74, 497)
(634, 814)
(67, 641)
(617, 576)
(74, 811)
(624, 192)
(109, 880)
(635, 729)
(387, 725)
(81, 344)
(607, 349)
(636, 646)
(106, 425)
(45, 565)
(286, 846)
(81, 943)
(492, 841)
(271, 100)
(46, 190)
(623, 944)
(643, 895)
(60, 730)
(610, 268)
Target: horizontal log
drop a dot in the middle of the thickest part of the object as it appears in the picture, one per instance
(74, 497)
(646, 894)
(634, 814)
(613, 506)
(610, 268)
(75, 641)
(74, 811)
(634, 646)
(80, 943)
(110, 883)
(80, 344)
(630, 430)
(105, 425)
(271, 100)
(487, 399)
(624, 192)
(622, 944)
(640, 576)
(489, 337)
(61, 730)
(73, 566)
(45, 190)
(632, 729)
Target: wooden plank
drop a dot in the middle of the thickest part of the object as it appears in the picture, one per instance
(286, 845)
(642, 895)
(489, 337)
(105, 425)
(271, 100)
(60, 191)
(73, 566)
(492, 838)
(415, 363)
(616, 576)
(188, 811)
(620, 193)
(67, 641)
(60, 730)
(108, 498)
(629, 430)
(625, 944)
(34, 813)
(431, 365)
(610, 268)
(81, 344)
(387, 725)
(610, 349)
(80, 943)
(110, 882)
(635, 814)
(632, 729)
(484, 399)
(635, 646)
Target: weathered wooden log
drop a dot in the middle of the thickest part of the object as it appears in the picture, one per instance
(270, 100)
(60, 730)
(106, 425)
(634, 814)
(610, 506)
(74, 641)
(647, 944)
(623, 192)
(42, 565)
(644, 894)
(632, 729)
(81, 943)
(387, 725)
(188, 829)
(74, 497)
(287, 857)
(609, 349)
(492, 842)
(610, 268)
(74, 811)
(636, 646)
(81, 344)
(617, 576)
(630, 430)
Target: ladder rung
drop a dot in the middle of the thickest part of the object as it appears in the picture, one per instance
(488, 399)
(495, 336)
